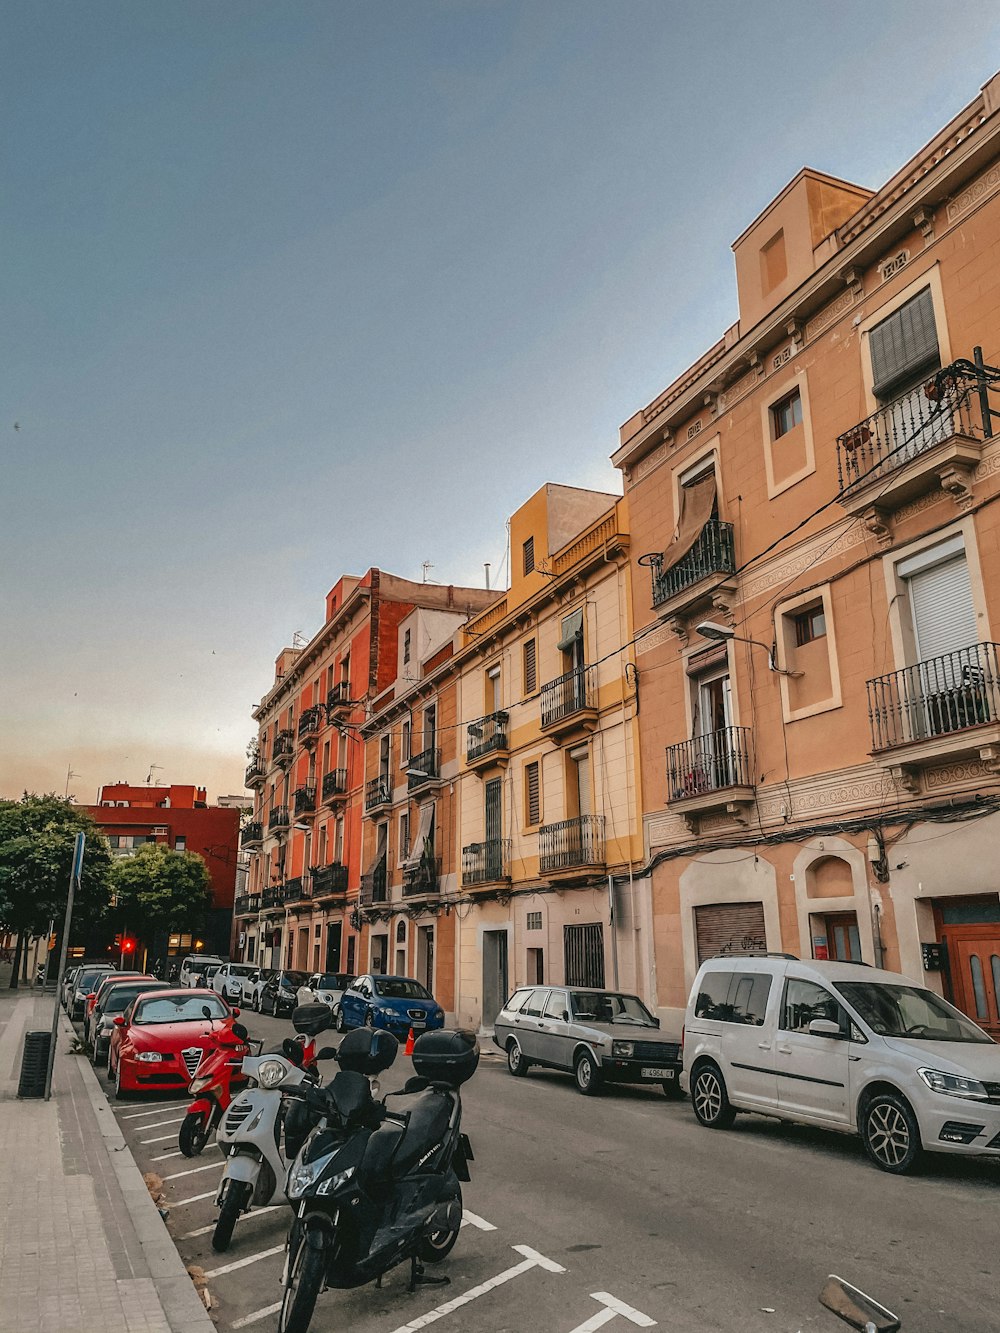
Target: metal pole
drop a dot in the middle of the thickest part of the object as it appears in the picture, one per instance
(48, 952)
(74, 881)
(984, 393)
(614, 927)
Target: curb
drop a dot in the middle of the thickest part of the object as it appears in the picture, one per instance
(183, 1309)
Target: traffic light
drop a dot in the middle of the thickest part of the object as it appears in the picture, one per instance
(118, 941)
(128, 945)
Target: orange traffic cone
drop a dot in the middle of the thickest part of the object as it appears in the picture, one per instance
(408, 1048)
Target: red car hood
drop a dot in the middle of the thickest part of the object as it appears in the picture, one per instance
(174, 1037)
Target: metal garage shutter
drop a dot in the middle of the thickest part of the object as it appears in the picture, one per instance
(584, 954)
(725, 928)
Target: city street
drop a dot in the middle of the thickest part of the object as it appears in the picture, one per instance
(622, 1210)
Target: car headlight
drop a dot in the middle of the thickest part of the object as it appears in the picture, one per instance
(149, 1057)
(304, 1174)
(332, 1185)
(624, 1050)
(954, 1085)
(270, 1073)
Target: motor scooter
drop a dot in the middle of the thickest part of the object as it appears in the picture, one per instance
(212, 1087)
(857, 1309)
(378, 1183)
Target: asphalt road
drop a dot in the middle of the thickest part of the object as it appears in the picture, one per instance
(622, 1210)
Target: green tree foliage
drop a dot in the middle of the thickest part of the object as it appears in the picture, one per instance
(159, 889)
(37, 835)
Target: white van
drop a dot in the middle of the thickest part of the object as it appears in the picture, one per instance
(845, 1047)
(195, 965)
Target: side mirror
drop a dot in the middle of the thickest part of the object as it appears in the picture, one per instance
(236, 1012)
(854, 1307)
(92, 996)
(119, 1020)
(824, 1027)
(656, 1021)
(327, 1053)
(565, 1015)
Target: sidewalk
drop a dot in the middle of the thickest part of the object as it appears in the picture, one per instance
(82, 1246)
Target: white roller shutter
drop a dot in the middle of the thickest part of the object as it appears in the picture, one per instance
(944, 617)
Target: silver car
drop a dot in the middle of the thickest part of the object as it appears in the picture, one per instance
(601, 1036)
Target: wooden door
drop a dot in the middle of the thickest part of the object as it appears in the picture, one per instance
(974, 961)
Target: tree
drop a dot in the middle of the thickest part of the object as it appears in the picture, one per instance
(37, 835)
(159, 889)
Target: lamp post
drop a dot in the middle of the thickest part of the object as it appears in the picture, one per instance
(711, 629)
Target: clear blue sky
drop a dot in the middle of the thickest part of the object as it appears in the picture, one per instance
(294, 288)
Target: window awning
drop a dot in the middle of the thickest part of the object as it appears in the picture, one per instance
(418, 847)
(697, 503)
(572, 629)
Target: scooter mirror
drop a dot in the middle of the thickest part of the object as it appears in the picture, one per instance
(206, 1011)
(857, 1309)
(240, 1031)
(327, 1053)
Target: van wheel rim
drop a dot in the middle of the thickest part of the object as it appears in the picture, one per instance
(707, 1097)
(888, 1134)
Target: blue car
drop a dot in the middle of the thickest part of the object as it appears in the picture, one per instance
(395, 1004)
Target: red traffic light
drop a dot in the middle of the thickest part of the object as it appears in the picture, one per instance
(128, 945)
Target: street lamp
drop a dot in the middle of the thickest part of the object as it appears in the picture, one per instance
(711, 629)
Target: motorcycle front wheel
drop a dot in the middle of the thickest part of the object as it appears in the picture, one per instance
(305, 1279)
(193, 1134)
(439, 1244)
(235, 1199)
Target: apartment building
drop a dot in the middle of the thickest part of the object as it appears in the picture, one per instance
(815, 556)
(307, 772)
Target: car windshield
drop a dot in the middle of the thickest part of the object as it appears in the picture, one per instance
(610, 1007)
(179, 1009)
(240, 970)
(85, 980)
(293, 979)
(333, 981)
(401, 988)
(122, 996)
(910, 1011)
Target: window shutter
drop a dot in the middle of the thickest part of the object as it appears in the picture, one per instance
(729, 928)
(572, 629)
(904, 345)
(529, 555)
(530, 668)
(532, 793)
(944, 617)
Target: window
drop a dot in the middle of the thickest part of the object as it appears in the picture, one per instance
(404, 742)
(786, 414)
(557, 1005)
(516, 1001)
(805, 1001)
(430, 727)
(773, 263)
(528, 552)
(535, 1003)
(532, 794)
(493, 690)
(383, 756)
(406, 646)
(404, 835)
(534, 921)
(530, 667)
(809, 624)
(180, 843)
(734, 997)
(904, 348)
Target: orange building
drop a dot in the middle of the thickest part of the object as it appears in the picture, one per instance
(821, 760)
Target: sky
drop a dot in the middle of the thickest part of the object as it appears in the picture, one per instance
(292, 289)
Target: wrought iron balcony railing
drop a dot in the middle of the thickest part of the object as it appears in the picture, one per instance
(572, 693)
(487, 736)
(932, 698)
(284, 746)
(248, 904)
(256, 771)
(339, 696)
(271, 897)
(423, 878)
(486, 862)
(374, 885)
(294, 890)
(278, 818)
(715, 761)
(571, 843)
(304, 800)
(423, 768)
(713, 553)
(309, 722)
(327, 880)
(334, 784)
(252, 832)
(378, 792)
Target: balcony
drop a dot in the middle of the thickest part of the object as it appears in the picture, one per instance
(572, 845)
(329, 881)
(696, 576)
(304, 800)
(423, 769)
(569, 705)
(277, 820)
(270, 898)
(338, 698)
(334, 786)
(486, 741)
(284, 748)
(294, 890)
(374, 885)
(248, 904)
(378, 792)
(423, 880)
(711, 773)
(252, 834)
(944, 708)
(256, 772)
(486, 862)
(309, 724)
(911, 446)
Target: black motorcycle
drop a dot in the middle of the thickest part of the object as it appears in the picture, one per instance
(377, 1183)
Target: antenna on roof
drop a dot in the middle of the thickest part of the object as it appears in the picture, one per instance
(298, 639)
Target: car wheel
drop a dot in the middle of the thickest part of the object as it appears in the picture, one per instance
(95, 1054)
(516, 1062)
(890, 1133)
(110, 1071)
(710, 1099)
(587, 1074)
(119, 1090)
(341, 1023)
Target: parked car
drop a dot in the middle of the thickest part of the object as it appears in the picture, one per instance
(600, 1036)
(69, 976)
(100, 984)
(227, 980)
(83, 984)
(325, 988)
(114, 1000)
(194, 966)
(159, 1040)
(277, 995)
(393, 1003)
(843, 1047)
(253, 985)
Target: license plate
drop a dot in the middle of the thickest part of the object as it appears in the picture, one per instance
(658, 1073)
(418, 1027)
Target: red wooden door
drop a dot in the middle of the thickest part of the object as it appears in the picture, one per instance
(974, 960)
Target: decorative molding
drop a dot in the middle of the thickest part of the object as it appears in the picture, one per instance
(876, 522)
(742, 386)
(651, 460)
(655, 639)
(724, 602)
(906, 778)
(968, 772)
(888, 268)
(916, 507)
(781, 357)
(957, 481)
(784, 569)
(974, 193)
(832, 311)
(693, 429)
(679, 628)
(923, 220)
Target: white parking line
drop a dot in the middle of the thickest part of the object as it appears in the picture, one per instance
(474, 1220)
(613, 1307)
(193, 1171)
(244, 1217)
(243, 1263)
(156, 1110)
(257, 1315)
(163, 1138)
(157, 1124)
(164, 1155)
(194, 1198)
(532, 1259)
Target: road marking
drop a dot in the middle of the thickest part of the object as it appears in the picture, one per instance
(612, 1309)
(532, 1259)
(256, 1316)
(242, 1263)
(474, 1220)
(194, 1198)
(212, 1166)
(164, 1106)
(156, 1124)
(164, 1155)
(243, 1217)
(163, 1138)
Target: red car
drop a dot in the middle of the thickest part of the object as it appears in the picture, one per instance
(159, 1040)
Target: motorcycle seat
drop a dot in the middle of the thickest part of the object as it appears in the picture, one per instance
(428, 1116)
